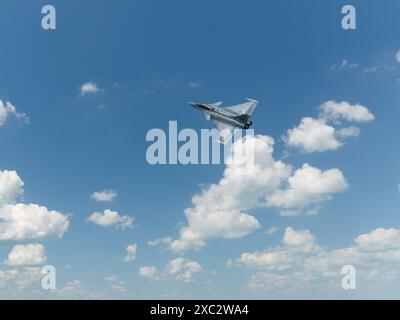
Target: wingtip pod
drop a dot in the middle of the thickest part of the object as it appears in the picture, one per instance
(252, 100)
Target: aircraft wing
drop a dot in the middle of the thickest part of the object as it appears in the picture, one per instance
(225, 131)
(244, 108)
(216, 104)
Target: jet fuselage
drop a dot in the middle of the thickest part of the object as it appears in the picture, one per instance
(223, 115)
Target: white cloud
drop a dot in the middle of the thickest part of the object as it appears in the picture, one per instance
(71, 286)
(160, 241)
(89, 88)
(20, 279)
(76, 290)
(112, 278)
(380, 239)
(31, 221)
(107, 195)
(371, 69)
(130, 252)
(176, 269)
(116, 283)
(10, 187)
(332, 110)
(294, 243)
(312, 135)
(348, 132)
(183, 269)
(345, 64)
(3, 113)
(308, 186)
(110, 218)
(272, 230)
(26, 221)
(300, 263)
(320, 134)
(30, 254)
(7, 109)
(301, 239)
(398, 56)
(220, 210)
(277, 259)
(353, 65)
(149, 272)
(25, 283)
(118, 288)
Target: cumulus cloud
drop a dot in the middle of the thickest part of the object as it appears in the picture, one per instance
(379, 239)
(7, 109)
(110, 218)
(178, 269)
(149, 272)
(31, 221)
(30, 254)
(398, 56)
(130, 252)
(300, 263)
(20, 279)
(308, 186)
(348, 132)
(182, 269)
(301, 240)
(294, 243)
(89, 88)
(10, 187)
(107, 195)
(312, 135)
(20, 221)
(322, 134)
(332, 110)
(221, 209)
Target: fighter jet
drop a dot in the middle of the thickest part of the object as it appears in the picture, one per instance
(229, 118)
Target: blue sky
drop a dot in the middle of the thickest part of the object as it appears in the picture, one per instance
(147, 59)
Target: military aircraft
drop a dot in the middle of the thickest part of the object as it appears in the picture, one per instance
(230, 118)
